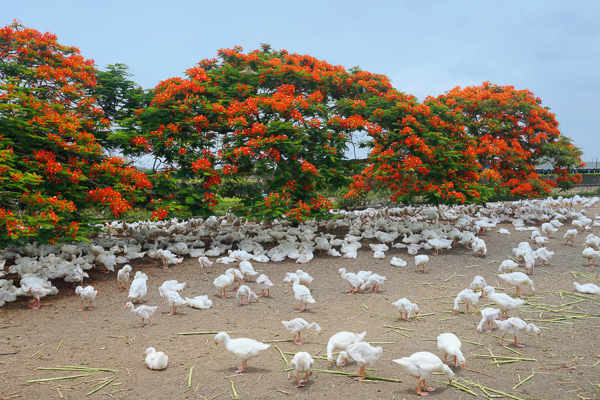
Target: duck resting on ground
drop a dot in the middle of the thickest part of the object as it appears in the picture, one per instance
(156, 360)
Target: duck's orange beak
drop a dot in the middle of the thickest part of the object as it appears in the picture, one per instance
(464, 366)
(540, 334)
(216, 344)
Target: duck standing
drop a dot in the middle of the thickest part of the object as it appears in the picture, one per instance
(243, 348)
(302, 363)
(422, 365)
(515, 326)
(87, 294)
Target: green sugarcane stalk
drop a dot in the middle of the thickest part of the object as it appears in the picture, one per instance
(464, 389)
(190, 376)
(505, 357)
(523, 381)
(403, 334)
(60, 344)
(68, 368)
(397, 327)
(484, 388)
(235, 395)
(60, 378)
(453, 276)
(513, 350)
(101, 386)
(348, 374)
(467, 341)
(282, 356)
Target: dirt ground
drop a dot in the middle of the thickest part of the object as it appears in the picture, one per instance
(566, 367)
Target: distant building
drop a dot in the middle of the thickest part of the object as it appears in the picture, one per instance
(591, 167)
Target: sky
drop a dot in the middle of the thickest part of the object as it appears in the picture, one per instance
(426, 48)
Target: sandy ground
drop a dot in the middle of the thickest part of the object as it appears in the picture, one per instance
(566, 367)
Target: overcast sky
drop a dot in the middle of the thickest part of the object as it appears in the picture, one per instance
(426, 48)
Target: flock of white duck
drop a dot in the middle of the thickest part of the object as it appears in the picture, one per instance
(411, 228)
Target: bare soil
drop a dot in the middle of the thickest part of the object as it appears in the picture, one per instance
(566, 367)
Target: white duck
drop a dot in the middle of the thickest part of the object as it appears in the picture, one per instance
(201, 302)
(222, 282)
(174, 299)
(590, 254)
(170, 285)
(302, 294)
(405, 306)
(398, 262)
(469, 297)
(353, 279)
(449, 345)
(168, 258)
(302, 363)
(123, 277)
(548, 228)
(479, 247)
(264, 284)
(515, 326)
(237, 277)
(517, 279)
(143, 311)
(477, 284)
(543, 254)
(138, 287)
(542, 241)
(245, 292)
(488, 315)
(305, 278)
(504, 301)
(297, 325)
(421, 260)
(570, 236)
(243, 348)
(204, 263)
(587, 288)
(87, 294)
(341, 341)
(422, 365)
(247, 271)
(375, 280)
(508, 266)
(364, 354)
(156, 360)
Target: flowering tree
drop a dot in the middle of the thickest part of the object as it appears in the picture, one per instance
(51, 146)
(266, 115)
(513, 133)
(417, 150)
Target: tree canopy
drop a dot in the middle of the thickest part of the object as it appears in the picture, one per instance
(282, 121)
(513, 133)
(52, 162)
